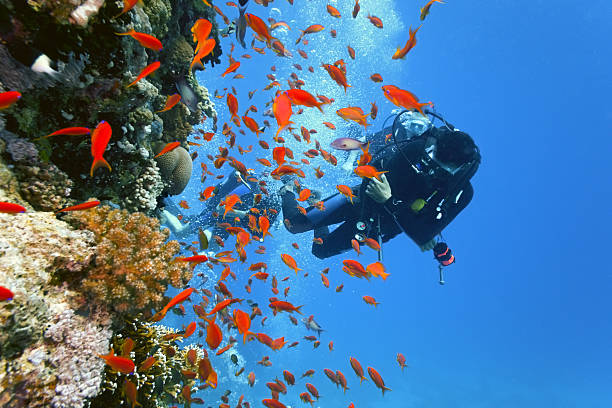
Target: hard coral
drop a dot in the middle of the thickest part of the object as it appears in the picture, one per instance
(133, 264)
(175, 167)
(159, 385)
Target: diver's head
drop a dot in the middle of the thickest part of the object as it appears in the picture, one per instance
(453, 148)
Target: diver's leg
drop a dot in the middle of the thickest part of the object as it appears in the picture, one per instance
(337, 209)
(334, 243)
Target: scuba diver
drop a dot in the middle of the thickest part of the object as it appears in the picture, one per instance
(210, 219)
(426, 185)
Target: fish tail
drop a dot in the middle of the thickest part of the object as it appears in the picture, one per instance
(132, 31)
(99, 162)
(297, 309)
(385, 389)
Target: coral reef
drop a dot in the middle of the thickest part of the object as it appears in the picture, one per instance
(133, 263)
(30, 243)
(42, 184)
(175, 167)
(93, 65)
(159, 385)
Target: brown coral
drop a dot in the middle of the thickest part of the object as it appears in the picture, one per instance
(133, 263)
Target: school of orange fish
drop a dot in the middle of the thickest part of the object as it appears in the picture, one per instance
(283, 104)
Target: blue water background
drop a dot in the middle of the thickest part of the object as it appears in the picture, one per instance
(524, 319)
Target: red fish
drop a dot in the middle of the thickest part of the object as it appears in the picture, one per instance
(99, 140)
(146, 40)
(148, 70)
(171, 101)
(206, 48)
(127, 6)
(315, 28)
(120, 364)
(351, 52)
(355, 114)
(337, 75)
(346, 191)
(371, 301)
(169, 147)
(82, 206)
(258, 25)
(5, 294)
(356, 9)
(69, 131)
(8, 98)
(11, 208)
(358, 369)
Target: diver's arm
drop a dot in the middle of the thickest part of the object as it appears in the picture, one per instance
(424, 225)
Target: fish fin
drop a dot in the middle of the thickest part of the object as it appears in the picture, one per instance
(99, 163)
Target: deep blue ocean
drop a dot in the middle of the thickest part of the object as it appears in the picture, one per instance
(524, 319)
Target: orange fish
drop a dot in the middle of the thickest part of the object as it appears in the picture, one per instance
(377, 269)
(258, 25)
(376, 78)
(365, 157)
(282, 111)
(148, 70)
(127, 6)
(131, 393)
(301, 97)
(358, 369)
(355, 114)
(290, 262)
(377, 22)
(355, 268)
(120, 364)
(403, 98)
(370, 300)
(82, 206)
(368, 171)
(146, 40)
(372, 243)
(325, 280)
(282, 306)
(189, 330)
(214, 336)
(243, 323)
(339, 287)
(209, 192)
(173, 302)
(304, 194)
(171, 101)
(425, 9)
(200, 30)
(337, 75)
(318, 172)
(315, 28)
(356, 246)
(206, 48)
(351, 52)
(252, 125)
(278, 154)
(333, 11)
(378, 380)
(264, 226)
(169, 147)
(346, 191)
(251, 378)
(356, 9)
(99, 140)
(229, 202)
(401, 360)
(232, 105)
(401, 53)
(233, 67)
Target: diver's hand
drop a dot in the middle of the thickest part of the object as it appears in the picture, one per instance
(379, 191)
(428, 245)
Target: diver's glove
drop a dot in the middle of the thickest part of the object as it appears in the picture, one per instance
(379, 191)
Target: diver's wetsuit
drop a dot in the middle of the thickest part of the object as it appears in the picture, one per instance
(395, 215)
(233, 185)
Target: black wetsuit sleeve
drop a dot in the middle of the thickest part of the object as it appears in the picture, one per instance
(424, 225)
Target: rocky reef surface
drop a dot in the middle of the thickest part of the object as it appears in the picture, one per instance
(87, 282)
